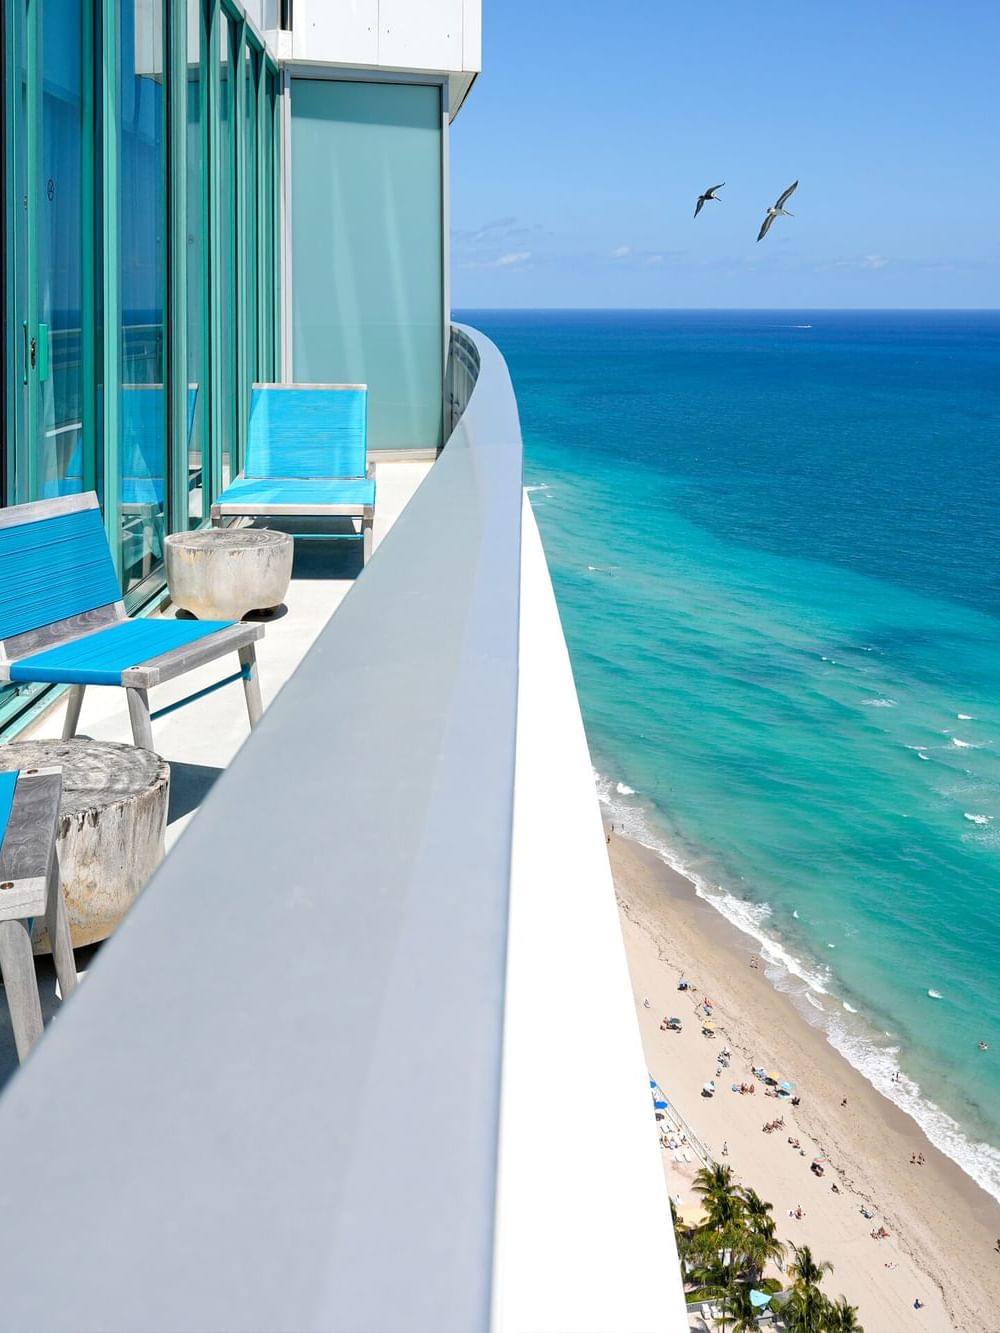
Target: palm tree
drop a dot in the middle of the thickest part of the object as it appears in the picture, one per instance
(738, 1311)
(720, 1195)
(757, 1251)
(758, 1213)
(807, 1310)
(805, 1270)
(842, 1317)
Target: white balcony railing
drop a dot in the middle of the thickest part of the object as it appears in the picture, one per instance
(280, 1098)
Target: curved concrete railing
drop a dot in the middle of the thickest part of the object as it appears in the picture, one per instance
(274, 1103)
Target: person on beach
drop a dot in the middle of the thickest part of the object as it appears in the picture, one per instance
(844, 1101)
(918, 1304)
(725, 1148)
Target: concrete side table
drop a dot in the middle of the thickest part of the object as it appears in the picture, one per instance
(222, 573)
(112, 822)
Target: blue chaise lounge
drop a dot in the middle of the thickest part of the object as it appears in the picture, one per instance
(306, 455)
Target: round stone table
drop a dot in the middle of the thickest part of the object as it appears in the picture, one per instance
(112, 822)
(222, 573)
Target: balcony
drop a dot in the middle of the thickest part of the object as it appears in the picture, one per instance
(363, 1056)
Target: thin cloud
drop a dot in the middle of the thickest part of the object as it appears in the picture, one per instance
(621, 251)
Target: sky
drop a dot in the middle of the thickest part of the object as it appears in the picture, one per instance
(579, 154)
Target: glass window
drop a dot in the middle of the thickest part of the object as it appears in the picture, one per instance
(367, 250)
(226, 323)
(252, 214)
(56, 365)
(142, 458)
(196, 272)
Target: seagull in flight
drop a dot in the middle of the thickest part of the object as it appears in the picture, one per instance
(778, 211)
(709, 194)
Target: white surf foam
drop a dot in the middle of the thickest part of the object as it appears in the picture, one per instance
(962, 745)
(880, 1066)
(935, 995)
(623, 789)
(539, 486)
(977, 819)
(847, 1032)
(965, 717)
(880, 703)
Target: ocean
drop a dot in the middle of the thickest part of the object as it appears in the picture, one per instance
(775, 543)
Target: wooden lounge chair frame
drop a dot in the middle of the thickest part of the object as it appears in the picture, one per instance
(30, 887)
(228, 505)
(205, 643)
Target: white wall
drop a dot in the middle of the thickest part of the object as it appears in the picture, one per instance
(584, 1240)
(431, 35)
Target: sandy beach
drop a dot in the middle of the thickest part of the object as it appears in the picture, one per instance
(943, 1227)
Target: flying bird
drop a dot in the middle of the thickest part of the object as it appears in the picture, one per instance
(778, 211)
(709, 194)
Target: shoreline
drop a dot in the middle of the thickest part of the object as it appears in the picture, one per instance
(943, 1225)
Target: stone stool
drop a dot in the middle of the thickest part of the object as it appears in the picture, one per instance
(29, 888)
(222, 573)
(112, 823)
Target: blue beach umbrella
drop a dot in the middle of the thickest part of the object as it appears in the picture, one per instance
(758, 1299)
(660, 1106)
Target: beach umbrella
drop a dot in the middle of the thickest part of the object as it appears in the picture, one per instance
(773, 1077)
(674, 1018)
(660, 1106)
(708, 1087)
(759, 1299)
(786, 1087)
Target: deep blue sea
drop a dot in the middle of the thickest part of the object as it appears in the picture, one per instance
(775, 541)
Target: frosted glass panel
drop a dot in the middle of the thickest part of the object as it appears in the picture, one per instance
(366, 250)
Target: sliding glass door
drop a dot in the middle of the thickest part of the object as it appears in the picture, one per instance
(55, 461)
(139, 285)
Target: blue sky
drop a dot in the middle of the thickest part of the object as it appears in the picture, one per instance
(579, 155)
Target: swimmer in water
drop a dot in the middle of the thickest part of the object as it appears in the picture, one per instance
(984, 1046)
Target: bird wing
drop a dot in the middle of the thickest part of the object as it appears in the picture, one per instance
(715, 187)
(787, 195)
(765, 226)
(699, 205)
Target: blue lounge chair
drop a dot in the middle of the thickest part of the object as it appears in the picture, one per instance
(29, 878)
(307, 455)
(62, 619)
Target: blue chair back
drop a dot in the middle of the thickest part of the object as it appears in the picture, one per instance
(307, 431)
(54, 564)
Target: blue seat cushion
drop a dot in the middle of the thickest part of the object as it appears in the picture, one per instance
(100, 659)
(8, 781)
(358, 491)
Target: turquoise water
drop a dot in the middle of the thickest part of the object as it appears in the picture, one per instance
(774, 538)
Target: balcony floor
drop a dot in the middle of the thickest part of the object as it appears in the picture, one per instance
(200, 740)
